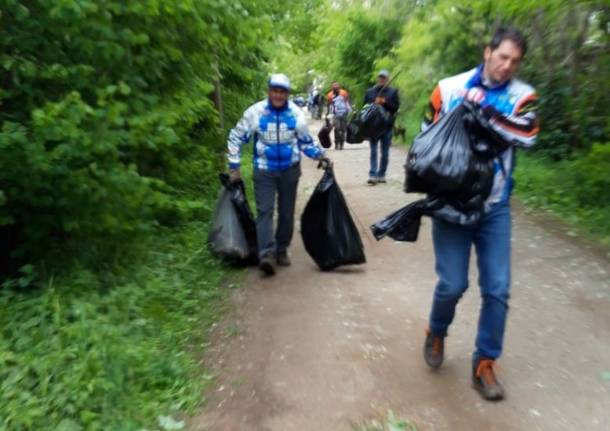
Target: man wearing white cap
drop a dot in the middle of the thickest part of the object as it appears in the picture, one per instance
(387, 97)
(279, 130)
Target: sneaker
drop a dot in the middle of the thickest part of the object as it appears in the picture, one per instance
(484, 380)
(266, 264)
(282, 259)
(372, 181)
(434, 350)
(381, 180)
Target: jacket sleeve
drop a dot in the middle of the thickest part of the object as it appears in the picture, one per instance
(521, 127)
(305, 142)
(348, 101)
(433, 109)
(368, 96)
(392, 103)
(239, 136)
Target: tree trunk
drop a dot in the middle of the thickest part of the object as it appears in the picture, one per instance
(218, 95)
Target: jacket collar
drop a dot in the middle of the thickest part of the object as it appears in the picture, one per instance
(270, 107)
(477, 80)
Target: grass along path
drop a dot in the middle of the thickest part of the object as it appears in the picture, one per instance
(114, 351)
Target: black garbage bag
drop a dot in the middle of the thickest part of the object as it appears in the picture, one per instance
(353, 133)
(233, 232)
(324, 134)
(487, 142)
(403, 225)
(375, 120)
(455, 155)
(463, 217)
(439, 159)
(329, 233)
(452, 162)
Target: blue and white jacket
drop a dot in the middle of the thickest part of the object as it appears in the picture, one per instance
(279, 137)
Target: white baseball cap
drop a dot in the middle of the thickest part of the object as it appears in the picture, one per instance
(384, 73)
(279, 80)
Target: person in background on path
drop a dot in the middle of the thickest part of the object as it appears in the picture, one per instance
(388, 98)
(339, 106)
(279, 130)
(510, 106)
(318, 105)
(310, 103)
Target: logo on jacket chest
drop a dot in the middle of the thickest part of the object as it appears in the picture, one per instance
(503, 101)
(272, 134)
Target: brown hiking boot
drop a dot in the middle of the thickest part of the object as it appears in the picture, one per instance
(484, 380)
(283, 259)
(266, 264)
(434, 349)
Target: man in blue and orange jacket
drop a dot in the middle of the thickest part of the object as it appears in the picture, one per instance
(510, 106)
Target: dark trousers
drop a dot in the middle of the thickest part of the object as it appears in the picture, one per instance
(268, 185)
(340, 125)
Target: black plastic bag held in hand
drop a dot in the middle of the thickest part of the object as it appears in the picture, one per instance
(375, 120)
(324, 134)
(439, 159)
(353, 133)
(328, 230)
(403, 225)
(452, 162)
(233, 232)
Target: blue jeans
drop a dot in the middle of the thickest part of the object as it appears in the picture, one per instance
(452, 244)
(386, 141)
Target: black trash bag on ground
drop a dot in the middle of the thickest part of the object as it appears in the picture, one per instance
(233, 232)
(375, 120)
(329, 233)
(324, 134)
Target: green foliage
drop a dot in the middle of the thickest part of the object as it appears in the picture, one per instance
(113, 351)
(567, 62)
(350, 43)
(577, 189)
(567, 67)
(110, 145)
(293, 52)
(364, 39)
(107, 124)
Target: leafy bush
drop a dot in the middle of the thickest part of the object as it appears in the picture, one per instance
(577, 189)
(107, 124)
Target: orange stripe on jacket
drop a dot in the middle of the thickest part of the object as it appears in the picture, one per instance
(436, 102)
(342, 92)
(531, 98)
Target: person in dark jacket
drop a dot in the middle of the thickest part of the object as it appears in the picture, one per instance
(388, 98)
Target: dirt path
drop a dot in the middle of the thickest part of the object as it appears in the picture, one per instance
(313, 351)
